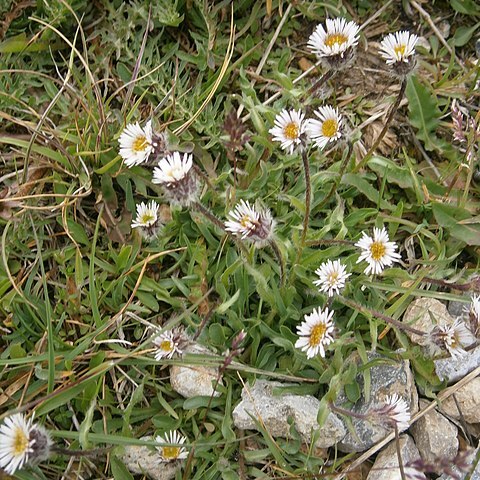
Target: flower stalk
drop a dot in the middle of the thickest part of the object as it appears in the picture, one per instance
(375, 313)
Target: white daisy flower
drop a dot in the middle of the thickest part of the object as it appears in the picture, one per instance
(167, 344)
(172, 168)
(327, 128)
(332, 277)
(453, 337)
(316, 332)
(398, 47)
(174, 452)
(16, 446)
(338, 37)
(395, 412)
(147, 215)
(176, 175)
(250, 223)
(136, 143)
(289, 129)
(378, 251)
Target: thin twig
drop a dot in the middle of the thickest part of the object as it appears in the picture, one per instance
(437, 32)
(263, 60)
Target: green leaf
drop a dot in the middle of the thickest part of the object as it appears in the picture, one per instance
(464, 34)
(394, 173)
(77, 232)
(119, 470)
(87, 424)
(137, 397)
(424, 113)
(22, 44)
(364, 187)
(227, 304)
(352, 391)
(458, 222)
(66, 394)
(468, 7)
(167, 13)
(123, 256)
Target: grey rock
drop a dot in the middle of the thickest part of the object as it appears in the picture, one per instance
(387, 377)
(435, 436)
(273, 412)
(424, 314)
(459, 309)
(194, 380)
(452, 369)
(386, 464)
(468, 401)
(141, 460)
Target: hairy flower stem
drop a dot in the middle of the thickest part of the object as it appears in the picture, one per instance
(207, 213)
(306, 218)
(273, 244)
(464, 287)
(308, 200)
(399, 453)
(390, 116)
(328, 241)
(335, 185)
(80, 453)
(347, 413)
(377, 314)
(319, 83)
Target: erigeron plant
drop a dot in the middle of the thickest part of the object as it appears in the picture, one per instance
(254, 224)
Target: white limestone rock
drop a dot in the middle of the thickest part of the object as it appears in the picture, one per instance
(142, 460)
(435, 436)
(273, 412)
(195, 379)
(386, 464)
(387, 377)
(468, 400)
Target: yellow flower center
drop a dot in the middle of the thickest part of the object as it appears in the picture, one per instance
(147, 218)
(291, 131)
(329, 127)
(20, 442)
(332, 278)
(140, 144)
(166, 345)
(170, 453)
(246, 221)
(335, 38)
(317, 334)
(377, 250)
(399, 50)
